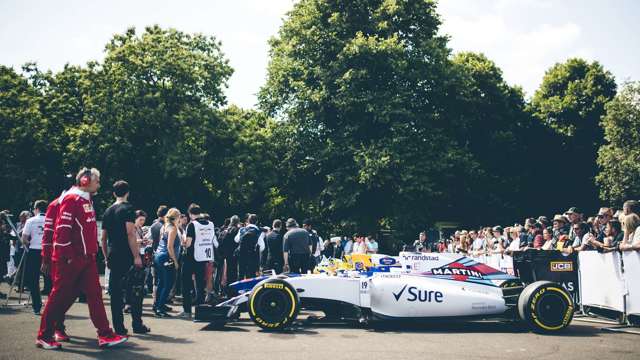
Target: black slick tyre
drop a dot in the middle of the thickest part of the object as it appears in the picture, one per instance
(273, 304)
(545, 306)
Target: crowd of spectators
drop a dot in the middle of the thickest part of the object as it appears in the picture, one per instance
(609, 230)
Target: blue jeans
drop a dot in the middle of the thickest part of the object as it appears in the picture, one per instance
(166, 277)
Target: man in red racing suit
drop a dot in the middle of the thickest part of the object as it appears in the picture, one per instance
(47, 267)
(75, 245)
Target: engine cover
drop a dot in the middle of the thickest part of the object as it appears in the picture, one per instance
(414, 296)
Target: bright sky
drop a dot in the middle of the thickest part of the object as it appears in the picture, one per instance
(524, 37)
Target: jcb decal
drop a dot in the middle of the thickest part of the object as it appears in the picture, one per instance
(558, 266)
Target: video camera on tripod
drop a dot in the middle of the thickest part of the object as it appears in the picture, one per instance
(18, 278)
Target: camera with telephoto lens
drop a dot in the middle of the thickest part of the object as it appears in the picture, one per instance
(5, 214)
(136, 280)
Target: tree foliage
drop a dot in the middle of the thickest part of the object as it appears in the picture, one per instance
(362, 85)
(571, 101)
(619, 157)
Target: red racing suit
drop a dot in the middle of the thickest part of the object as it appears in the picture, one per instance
(75, 245)
(47, 241)
(49, 227)
(76, 232)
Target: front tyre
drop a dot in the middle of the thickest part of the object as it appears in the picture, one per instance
(273, 304)
(545, 306)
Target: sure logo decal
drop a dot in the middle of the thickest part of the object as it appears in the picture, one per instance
(559, 266)
(415, 294)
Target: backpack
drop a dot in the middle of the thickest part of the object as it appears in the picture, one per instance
(249, 240)
(227, 243)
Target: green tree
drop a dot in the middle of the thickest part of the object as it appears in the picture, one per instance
(619, 157)
(571, 100)
(246, 157)
(494, 127)
(149, 111)
(361, 87)
(28, 161)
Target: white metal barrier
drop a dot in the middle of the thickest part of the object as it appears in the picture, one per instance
(631, 260)
(601, 280)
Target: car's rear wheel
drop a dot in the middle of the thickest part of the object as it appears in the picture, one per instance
(273, 304)
(545, 306)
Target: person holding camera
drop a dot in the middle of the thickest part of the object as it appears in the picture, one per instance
(166, 261)
(121, 254)
(5, 247)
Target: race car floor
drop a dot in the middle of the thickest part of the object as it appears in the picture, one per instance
(182, 339)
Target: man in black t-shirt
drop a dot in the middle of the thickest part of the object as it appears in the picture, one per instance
(274, 254)
(122, 256)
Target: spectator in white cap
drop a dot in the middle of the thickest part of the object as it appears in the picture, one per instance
(560, 226)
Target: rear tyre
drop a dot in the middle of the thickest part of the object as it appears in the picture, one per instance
(545, 306)
(273, 304)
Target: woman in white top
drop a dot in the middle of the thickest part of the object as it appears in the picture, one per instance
(496, 246)
(359, 247)
(547, 236)
(631, 240)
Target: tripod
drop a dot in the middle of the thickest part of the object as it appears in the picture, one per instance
(19, 271)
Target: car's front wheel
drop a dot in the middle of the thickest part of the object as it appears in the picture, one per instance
(545, 306)
(273, 304)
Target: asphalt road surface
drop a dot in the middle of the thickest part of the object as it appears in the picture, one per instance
(182, 339)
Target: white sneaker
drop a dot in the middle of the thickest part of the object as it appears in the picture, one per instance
(185, 315)
(48, 344)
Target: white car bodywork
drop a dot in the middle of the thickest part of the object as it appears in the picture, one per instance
(415, 285)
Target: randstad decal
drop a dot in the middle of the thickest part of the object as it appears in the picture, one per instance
(415, 294)
(456, 271)
(421, 257)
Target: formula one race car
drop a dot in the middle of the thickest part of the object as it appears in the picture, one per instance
(411, 286)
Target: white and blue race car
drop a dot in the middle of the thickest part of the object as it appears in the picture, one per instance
(411, 286)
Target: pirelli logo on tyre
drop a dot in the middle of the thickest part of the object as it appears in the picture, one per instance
(273, 286)
(561, 266)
